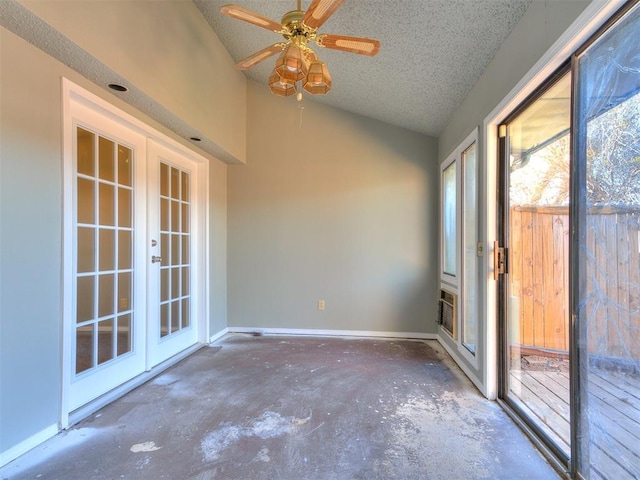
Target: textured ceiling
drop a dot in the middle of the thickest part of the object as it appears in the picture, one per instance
(432, 52)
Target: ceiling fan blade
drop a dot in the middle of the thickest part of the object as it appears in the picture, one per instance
(258, 57)
(359, 45)
(239, 13)
(319, 12)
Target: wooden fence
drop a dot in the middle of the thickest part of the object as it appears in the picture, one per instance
(539, 280)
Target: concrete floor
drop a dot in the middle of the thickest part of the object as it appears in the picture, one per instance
(296, 408)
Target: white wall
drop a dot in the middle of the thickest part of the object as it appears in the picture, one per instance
(342, 208)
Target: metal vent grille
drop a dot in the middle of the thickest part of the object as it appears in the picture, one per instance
(447, 312)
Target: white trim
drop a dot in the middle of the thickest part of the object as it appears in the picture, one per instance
(27, 444)
(67, 250)
(489, 299)
(204, 282)
(332, 333)
(218, 335)
(592, 18)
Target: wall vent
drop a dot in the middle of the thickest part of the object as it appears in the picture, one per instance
(447, 312)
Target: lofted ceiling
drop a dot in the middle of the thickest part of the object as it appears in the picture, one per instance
(432, 52)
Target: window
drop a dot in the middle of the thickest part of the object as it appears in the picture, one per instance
(449, 219)
(459, 239)
(470, 265)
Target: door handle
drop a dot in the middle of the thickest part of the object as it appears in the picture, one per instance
(499, 260)
(155, 259)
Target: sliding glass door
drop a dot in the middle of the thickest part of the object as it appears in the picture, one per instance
(570, 288)
(536, 235)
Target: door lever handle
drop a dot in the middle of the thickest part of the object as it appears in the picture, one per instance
(499, 260)
(155, 259)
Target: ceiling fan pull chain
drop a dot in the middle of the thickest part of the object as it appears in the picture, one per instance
(301, 107)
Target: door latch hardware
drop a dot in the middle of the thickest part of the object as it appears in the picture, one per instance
(156, 259)
(499, 260)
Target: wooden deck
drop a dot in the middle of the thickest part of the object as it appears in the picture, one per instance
(614, 416)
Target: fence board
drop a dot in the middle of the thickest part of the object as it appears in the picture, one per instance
(559, 287)
(622, 284)
(634, 280)
(539, 279)
(515, 266)
(547, 276)
(611, 266)
(598, 325)
(526, 301)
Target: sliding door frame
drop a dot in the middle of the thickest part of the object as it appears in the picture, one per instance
(503, 225)
(565, 57)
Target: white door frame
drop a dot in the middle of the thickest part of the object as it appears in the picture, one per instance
(75, 99)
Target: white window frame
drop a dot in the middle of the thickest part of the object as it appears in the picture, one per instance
(455, 283)
(450, 279)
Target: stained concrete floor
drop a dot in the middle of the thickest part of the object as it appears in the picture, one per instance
(296, 408)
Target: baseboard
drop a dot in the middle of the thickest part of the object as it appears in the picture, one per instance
(218, 335)
(332, 333)
(26, 445)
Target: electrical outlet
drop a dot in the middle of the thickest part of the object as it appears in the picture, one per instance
(320, 304)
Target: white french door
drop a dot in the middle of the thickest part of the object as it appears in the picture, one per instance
(108, 321)
(135, 226)
(172, 191)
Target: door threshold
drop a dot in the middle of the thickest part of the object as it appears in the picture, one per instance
(558, 464)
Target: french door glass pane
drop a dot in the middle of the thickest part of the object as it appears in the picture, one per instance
(609, 256)
(175, 244)
(104, 275)
(537, 340)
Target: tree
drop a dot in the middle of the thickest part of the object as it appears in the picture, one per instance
(613, 155)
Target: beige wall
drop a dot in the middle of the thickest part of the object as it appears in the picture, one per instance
(168, 52)
(217, 246)
(342, 208)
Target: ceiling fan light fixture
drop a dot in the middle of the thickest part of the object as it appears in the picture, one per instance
(282, 87)
(297, 62)
(292, 64)
(318, 80)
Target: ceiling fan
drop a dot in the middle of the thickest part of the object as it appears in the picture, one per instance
(297, 62)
